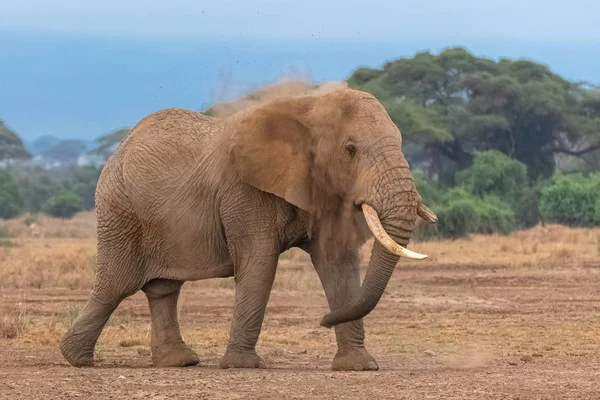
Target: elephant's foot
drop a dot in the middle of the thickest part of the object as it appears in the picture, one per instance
(241, 359)
(75, 353)
(174, 355)
(354, 360)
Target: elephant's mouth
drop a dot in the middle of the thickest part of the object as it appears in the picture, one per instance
(385, 239)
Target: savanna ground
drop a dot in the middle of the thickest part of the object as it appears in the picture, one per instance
(491, 317)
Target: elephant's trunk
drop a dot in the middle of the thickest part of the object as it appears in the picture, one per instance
(385, 256)
(381, 267)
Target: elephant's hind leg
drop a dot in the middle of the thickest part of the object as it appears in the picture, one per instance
(119, 275)
(168, 348)
(78, 344)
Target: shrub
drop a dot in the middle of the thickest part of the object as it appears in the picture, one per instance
(462, 213)
(572, 200)
(493, 216)
(457, 219)
(494, 173)
(64, 204)
(527, 208)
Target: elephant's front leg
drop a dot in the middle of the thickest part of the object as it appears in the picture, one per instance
(340, 276)
(254, 275)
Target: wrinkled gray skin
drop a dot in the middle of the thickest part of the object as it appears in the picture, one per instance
(189, 197)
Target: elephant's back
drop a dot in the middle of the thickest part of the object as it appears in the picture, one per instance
(178, 124)
(165, 149)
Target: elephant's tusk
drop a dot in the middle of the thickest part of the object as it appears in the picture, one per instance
(382, 236)
(425, 213)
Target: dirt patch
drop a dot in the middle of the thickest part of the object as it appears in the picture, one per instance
(505, 327)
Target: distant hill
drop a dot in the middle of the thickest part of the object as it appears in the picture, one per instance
(65, 151)
(11, 145)
(105, 145)
(51, 152)
(41, 143)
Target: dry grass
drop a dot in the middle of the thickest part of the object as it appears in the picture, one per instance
(539, 247)
(14, 323)
(453, 315)
(81, 226)
(48, 263)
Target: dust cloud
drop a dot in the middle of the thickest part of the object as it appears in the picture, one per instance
(286, 86)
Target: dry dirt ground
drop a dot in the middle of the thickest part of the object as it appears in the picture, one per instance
(491, 317)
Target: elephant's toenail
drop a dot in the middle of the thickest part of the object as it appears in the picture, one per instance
(372, 366)
(230, 366)
(358, 367)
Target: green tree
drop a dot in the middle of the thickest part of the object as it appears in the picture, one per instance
(11, 202)
(454, 104)
(83, 181)
(64, 204)
(36, 186)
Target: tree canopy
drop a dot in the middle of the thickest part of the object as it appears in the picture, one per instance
(453, 104)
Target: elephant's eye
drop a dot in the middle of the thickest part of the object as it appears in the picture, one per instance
(351, 149)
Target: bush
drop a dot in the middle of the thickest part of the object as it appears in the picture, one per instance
(527, 208)
(572, 200)
(11, 202)
(64, 204)
(462, 213)
(494, 173)
(493, 216)
(457, 219)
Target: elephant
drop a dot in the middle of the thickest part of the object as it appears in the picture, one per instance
(188, 196)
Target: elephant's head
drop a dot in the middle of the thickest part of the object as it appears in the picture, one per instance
(340, 148)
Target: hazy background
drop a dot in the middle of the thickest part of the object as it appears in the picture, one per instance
(78, 70)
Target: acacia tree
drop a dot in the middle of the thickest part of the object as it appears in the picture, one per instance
(454, 104)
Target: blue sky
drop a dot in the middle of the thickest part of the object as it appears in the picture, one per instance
(531, 20)
(83, 68)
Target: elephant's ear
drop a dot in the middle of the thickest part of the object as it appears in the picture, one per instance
(271, 150)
